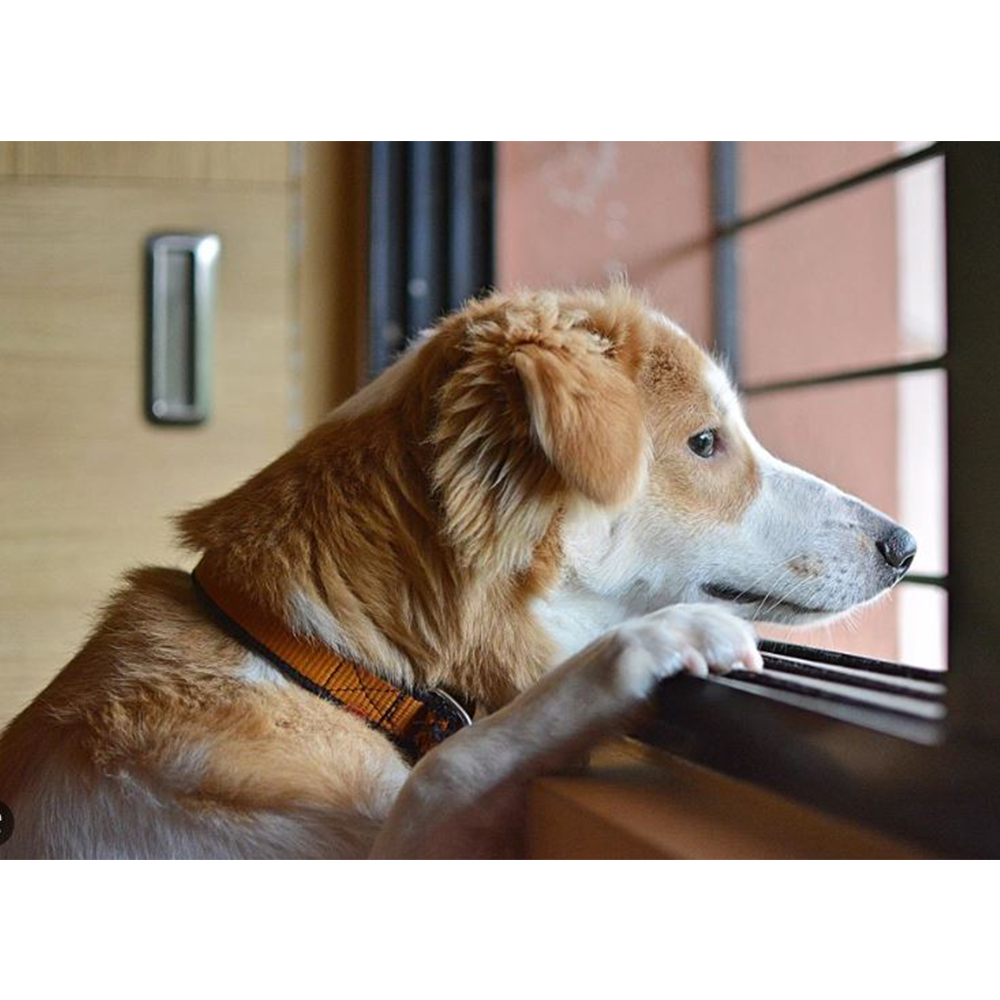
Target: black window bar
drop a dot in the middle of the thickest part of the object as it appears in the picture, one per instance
(431, 240)
(827, 675)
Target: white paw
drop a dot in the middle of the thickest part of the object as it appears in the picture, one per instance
(696, 638)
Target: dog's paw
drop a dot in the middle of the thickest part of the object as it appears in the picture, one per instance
(692, 638)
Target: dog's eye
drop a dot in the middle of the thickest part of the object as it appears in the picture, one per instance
(703, 444)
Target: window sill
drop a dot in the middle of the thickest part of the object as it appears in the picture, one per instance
(634, 801)
(913, 780)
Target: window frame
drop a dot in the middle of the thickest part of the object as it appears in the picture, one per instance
(934, 783)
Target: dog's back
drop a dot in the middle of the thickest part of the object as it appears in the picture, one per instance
(163, 737)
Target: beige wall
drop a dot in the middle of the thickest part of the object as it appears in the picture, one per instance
(87, 484)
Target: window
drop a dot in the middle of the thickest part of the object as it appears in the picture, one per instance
(825, 274)
(830, 304)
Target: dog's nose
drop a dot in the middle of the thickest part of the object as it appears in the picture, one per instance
(898, 549)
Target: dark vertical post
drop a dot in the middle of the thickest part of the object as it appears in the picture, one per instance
(485, 195)
(725, 278)
(432, 236)
(471, 202)
(461, 230)
(426, 278)
(972, 204)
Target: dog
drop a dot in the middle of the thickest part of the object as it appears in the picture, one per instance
(547, 506)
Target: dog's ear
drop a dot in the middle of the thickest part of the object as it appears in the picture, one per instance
(586, 415)
(531, 416)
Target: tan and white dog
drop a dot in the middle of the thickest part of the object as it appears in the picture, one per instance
(545, 507)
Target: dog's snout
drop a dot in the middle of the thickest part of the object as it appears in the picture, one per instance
(898, 549)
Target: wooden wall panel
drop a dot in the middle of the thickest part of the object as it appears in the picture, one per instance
(87, 484)
(176, 161)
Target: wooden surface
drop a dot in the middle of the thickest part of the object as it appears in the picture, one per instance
(633, 802)
(262, 162)
(86, 484)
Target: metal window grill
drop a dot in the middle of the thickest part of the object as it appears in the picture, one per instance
(866, 739)
(829, 677)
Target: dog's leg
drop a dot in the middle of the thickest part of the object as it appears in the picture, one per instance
(467, 797)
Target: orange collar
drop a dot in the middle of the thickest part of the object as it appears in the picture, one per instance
(416, 720)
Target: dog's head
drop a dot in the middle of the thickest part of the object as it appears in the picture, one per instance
(595, 410)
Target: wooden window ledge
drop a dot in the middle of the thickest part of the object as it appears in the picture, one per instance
(634, 801)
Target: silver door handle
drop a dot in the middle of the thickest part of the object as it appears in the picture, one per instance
(180, 294)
